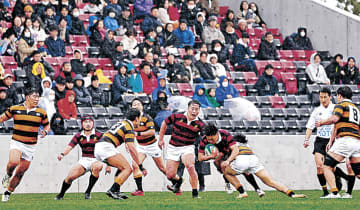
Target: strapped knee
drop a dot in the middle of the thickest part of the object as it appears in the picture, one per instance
(330, 161)
(356, 168)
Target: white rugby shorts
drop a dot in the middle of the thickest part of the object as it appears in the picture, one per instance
(246, 164)
(27, 150)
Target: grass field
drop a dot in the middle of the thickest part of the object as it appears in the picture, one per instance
(167, 200)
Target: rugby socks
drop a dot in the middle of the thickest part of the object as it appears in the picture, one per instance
(115, 187)
(290, 193)
(250, 178)
(117, 173)
(195, 193)
(201, 179)
(322, 181)
(173, 181)
(7, 192)
(351, 182)
(240, 189)
(226, 181)
(92, 181)
(340, 173)
(335, 191)
(65, 186)
(138, 182)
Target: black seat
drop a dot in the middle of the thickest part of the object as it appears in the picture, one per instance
(300, 66)
(101, 125)
(100, 112)
(291, 114)
(325, 63)
(265, 113)
(9, 126)
(237, 77)
(210, 114)
(127, 99)
(111, 122)
(173, 89)
(71, 126)
(264, 101)
(278, 127)
(94, 52)
(277, 114)
(19, 86)
(251, 90)
(356, 100)
(20, 75)
(252, 99)
(301, 124)
(105, 87)
(251, 126)
(238, 125)
(290, 101)
(303, 101)
(303, 113)
(301, 82)
(224, 114)
(115, 112)
(210, 85)
(265, 126)
(2, 128)
(291, 126)
(84, 111)
(325, 55)
(224, 124)
(355, 89)
(281, 88)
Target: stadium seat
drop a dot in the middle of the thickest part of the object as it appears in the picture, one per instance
(210, 114)
(240, 88)
(93, 61)
(185, 89)
(83, 111)
(265, 126)
(250, 77)
(224, 124)
(127, 99)
(100, 112)
(251, 32)
(223, 10)
(20, 75)
(2, 129)
(277, 114)
(278, 127)
(8, 62)
(250, 90)
(111, 122)
(325, 55)
(61, 60)
(300, 66)
(286, 54)
(356, 100)
(251, 99)
(263, 101)
(19, 86)
(290, 101)
(291, 114)
(237, 77)
(94, 52)
(101, 125)
(288, 66)
(308, 54)
(79, 40)
(303, 113)
(265, 113)
(136, 62)
(9, 126)
(251, 126)
(210, 85)
(303, 101)
(53, 62)
(291, 126)
(301, 124)
(224, 114)
(325, 63)
(290, 82)
(71, 126)
(355, 89)
(299, 55)
(260, 66)
(68, 51)
(238, 125)
(115, 112)
(277, 102)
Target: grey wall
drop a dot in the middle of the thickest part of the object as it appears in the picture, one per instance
(329, 29)
(283, 156)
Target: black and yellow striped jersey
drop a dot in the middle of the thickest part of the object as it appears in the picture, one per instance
(26, 122)
(121, 132)
(146, 123)
(348, 124)
(245, 149)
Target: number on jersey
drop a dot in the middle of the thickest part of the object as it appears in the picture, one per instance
(354, 115)
(116, 127)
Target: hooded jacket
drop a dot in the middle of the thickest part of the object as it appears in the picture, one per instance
(267, 51)
(209, 34)
(201, 98)
(97, 95)
(108, 46)
(111, 23)
(241, 49)
(34, 80)
(142, 7)
(267, 85)
(150, 23)
(185, 37)
(351, 74)
(91, 23)
(212, 100)
(66, 109)
(333, 71)
(78, 66)
(159, 88)
(46, 79)
(120, 86)
(221, 92)
(316, 72)
(57, 127)
(77, 26)
(158, 105)
(199, 26)
(82, 94)
(135, 81)
(47, 102)
(302, 43)
(149, 82)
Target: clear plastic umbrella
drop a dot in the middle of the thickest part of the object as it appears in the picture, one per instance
(242, 109)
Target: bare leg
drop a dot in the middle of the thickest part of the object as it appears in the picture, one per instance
(160, 164)
(189, 162)
(14, 161)
(19, 173)
(329, 171)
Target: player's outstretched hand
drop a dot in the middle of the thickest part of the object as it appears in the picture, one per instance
(306, 143)
(224, 164)
(144, 172)
(328, 146)
(43, 133)
(107, 170)
(318, 123)
(161, 144)
(60, 157)
(299, 196)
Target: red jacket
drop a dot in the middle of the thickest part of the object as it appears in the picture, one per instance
(148, 84)
(65, 108)
(173, 13)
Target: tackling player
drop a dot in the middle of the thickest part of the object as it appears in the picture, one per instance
(145, 136)
(105, 150)
(27, 120)
(346, 118)
(86, 139)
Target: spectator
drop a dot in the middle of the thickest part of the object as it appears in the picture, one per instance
(59, 89)
(66, 71)
(189, 50)
(170, 39)
(57, 124)
(334, 68)
(37, 30)
(316, 71)
(230, 36)
(92, 21)
(109, 45)
(69, 83)
(97, 94)
(120, 55)
(225, 91)
(114, 6)
(184, 35)
(8, 43)
(161, 86)
(120, 85)
(205, 69)
(267, 84)
(258, 19)
(200, 96)
(164, 14)
(19, 7)
(64, 13)
(203, 48)
(175, 71)
(267, 48)
(192, 74)
(97, 34)
(149, 46)
(83, 97)
(126, 21)
(160, 109)
(230, 17)
(219, 69)
(200, 24)
(42, 48)
(49, 19)
(211, 33)
(77, 63)
(67, 106)
(46, 102)
(36, 57)
(246, 13)
(142, 8)
(189, 12)
(92, 8)
(221, 52)
(298, 41)
(5, 102)
(46, 83)
(210, 95)
(26, 45)
(28, 24)
(7, 82)
(110, 22)
(212, 6)
(77, 27)
(69, 3)
(4, 14)
(135, 81)
(35, 77)
(173, 11)
(151, 21)
(63, 31)
(55, 45)
(40, 8)
(242, 26)
(241, 55)
(16, 27)
(149, 82)
(130, 43)
(350, 73)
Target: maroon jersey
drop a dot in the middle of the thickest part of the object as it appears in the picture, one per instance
(223, 146)
(87, 144)
(183, 134)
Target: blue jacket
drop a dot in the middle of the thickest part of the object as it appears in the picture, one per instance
(185, 37)
(111, 23)
(201, 98)
(115, 7)
(159, 88)
(56, 47)
(91, 20)
(142, 7)
(136, 83)
(43, 49)
(149, 23)
(239, 53)
(68, 20)
(221, 91)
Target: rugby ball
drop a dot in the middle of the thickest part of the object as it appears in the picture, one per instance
(210, 148)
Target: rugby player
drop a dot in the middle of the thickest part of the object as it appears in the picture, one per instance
(147, 145)
(347, 144)
(186, 128)
(223, 142)
(28, 117)
(86, 139)
(105, 151)
(243, 160)
(324, 111)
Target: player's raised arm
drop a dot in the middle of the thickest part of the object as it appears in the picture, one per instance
(333, 119)
(3, 118)
(234, 152)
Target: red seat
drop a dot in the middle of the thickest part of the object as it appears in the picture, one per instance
(53, 62)
(286, 54)
(108, 75)
(8, 62)
(136, 62)
(93, 61)
(84, 18)
(278, 68)
(62, 60)
(308, 54)
(112, 74)
(260, 66)
(250, 77)
(290, 82)
(254, 43)
(105, 63)
(274, 31)
(288, 66)
(185, 89)
(81, 6)
(259, 33)
(299, 55)
(79, 40)
(82, 50)
(241, 89)
(8, 71)
(182, 52)
(228, 75)
(223, 10)
(251, 32)
(276, 102)
(68, 51)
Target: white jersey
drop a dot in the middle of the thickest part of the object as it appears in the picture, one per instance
(321, 113)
